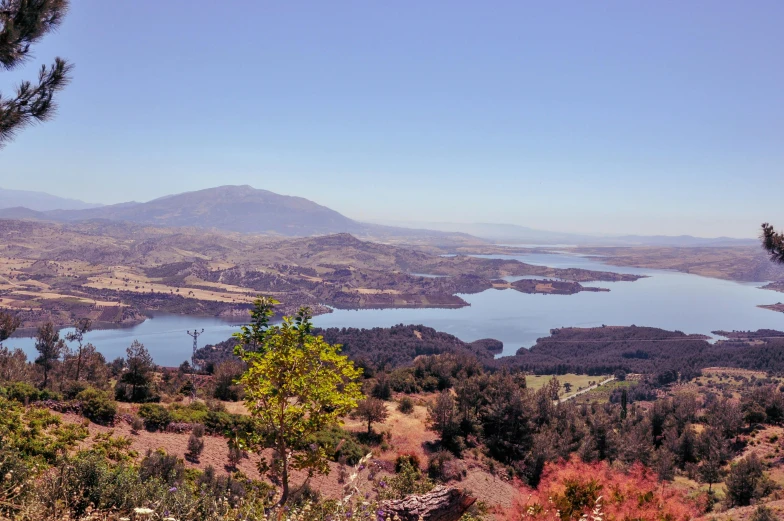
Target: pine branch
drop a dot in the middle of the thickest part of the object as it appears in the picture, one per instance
(24, 22)
(773, 242)
(33, 104)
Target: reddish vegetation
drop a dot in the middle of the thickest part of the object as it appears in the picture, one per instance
(570, 490)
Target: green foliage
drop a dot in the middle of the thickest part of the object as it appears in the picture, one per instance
(115, 448)
(22, 24)
(8, 324)
(23, 392)
(155, 416)
(135, 383)
(36, 433)
(747, 481)
(773, 242)
(226, 376)
(372, 410)
(194, 412)
(406, 405)
(444, 466)
(50, 346)
(296, 385)
(408, 480)
(97, 406)
(159, 465)
(339, 445)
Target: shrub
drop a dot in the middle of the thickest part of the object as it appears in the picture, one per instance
(156, 417)
(763, 513)
(382, 390)
(195, 412)
(137, 424)
(408, 458)
(406, 405)
(195, 447)
(25, 393)
(166, 467)
(340, 446)
(444, 466)
(97, 406)
(596, 491)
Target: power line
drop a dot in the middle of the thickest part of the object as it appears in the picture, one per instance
(195, 335)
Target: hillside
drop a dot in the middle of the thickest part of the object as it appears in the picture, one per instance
(112, 271)
(39, 201)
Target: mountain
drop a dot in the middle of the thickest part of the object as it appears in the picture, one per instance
(39, 201)
(242, 209)
(514, 234)
(231, 208)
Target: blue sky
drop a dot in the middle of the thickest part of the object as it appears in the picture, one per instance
(609, 117)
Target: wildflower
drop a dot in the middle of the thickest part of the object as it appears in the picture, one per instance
(173, 489)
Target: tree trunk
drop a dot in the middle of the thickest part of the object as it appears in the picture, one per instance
(440, 504)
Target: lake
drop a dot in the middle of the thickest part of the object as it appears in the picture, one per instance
(666, 299)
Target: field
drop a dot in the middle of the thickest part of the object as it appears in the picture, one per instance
(576, 382)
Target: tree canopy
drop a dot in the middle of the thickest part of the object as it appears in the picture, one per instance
(296, 385)
(23, 23)
(773, 242)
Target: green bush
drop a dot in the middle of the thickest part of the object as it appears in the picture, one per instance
(340, 446)
(221, 422)
(23, 392)
(156, 417)
(97, 406)
(195, 412)
(406, 405)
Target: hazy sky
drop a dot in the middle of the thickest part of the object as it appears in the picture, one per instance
(614, 116)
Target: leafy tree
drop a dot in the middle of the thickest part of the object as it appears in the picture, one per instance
(773, 242)
(442, 416)
(296, 384)
(81, 326)
(50, 346)
(23, 23)
(744, 481)
(372, 410)
(226, 375)
(138, 374)
(8, 324)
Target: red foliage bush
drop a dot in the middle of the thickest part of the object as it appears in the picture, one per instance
(575, 490)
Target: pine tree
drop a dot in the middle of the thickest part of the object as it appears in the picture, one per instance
(50, 346)
(23, 23)
(773, 242)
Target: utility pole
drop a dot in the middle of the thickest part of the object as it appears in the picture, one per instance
(195, 335)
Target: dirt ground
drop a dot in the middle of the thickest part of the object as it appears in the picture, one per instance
(407, 434)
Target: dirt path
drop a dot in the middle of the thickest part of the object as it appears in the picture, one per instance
(587, 389)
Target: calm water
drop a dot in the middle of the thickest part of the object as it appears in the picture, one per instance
(666, 299)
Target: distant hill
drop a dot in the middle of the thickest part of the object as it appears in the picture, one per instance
(514, 234)
(231, 208)
(241, 209)
(39, 201)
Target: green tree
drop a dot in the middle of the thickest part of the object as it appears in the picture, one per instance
(296, 384)
(745, 481)
(138, 375)
(23, 23)
(81, 326)
(372, 410)
(773, 242)
(50, 346)
(8, 324)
